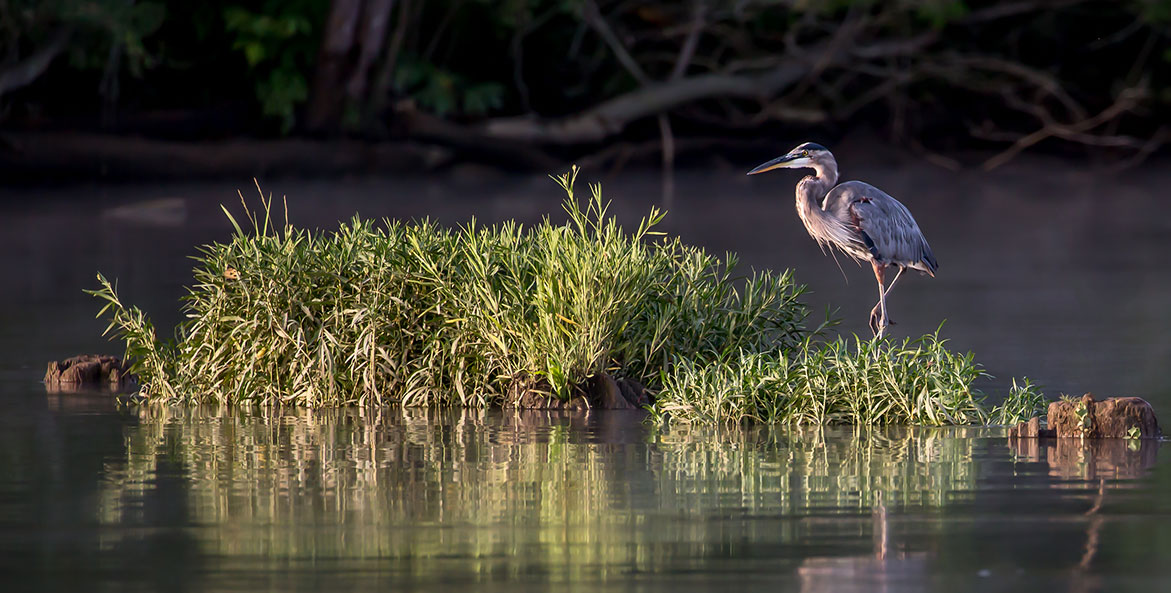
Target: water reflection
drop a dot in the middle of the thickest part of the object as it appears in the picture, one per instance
(219, 499)
(492, 467)
(488, 496)
(887, 568)
(1098, 459)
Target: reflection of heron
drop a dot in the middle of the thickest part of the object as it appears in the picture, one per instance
(857, 218)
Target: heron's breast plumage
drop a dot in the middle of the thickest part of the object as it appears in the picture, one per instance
(829, 227)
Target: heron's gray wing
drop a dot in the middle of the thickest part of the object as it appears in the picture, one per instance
(891, 231)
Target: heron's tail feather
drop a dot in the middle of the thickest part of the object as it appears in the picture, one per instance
(928, 261)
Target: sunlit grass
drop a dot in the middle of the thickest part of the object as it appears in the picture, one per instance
(419, 314)
(862, 381)
(1024, 401)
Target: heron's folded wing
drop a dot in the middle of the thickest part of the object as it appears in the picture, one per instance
(889, 225)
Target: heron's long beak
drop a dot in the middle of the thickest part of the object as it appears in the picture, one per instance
(784, 162)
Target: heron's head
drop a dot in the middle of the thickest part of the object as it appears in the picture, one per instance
(807, 155)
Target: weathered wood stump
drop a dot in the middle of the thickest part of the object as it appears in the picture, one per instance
(88, 371)
(1111, 418)
(1030, 430)
(1086, 417)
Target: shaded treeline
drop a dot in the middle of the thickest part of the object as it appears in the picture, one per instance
(572, 77)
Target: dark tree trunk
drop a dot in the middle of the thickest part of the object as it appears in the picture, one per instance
(375, 19)
(353, 39)
(327, 97)
(380, 94)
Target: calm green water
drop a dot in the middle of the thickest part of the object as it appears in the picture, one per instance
(176, 499)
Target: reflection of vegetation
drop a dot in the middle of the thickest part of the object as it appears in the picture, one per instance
(366, 483)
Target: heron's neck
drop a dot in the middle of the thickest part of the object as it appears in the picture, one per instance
(812, 189)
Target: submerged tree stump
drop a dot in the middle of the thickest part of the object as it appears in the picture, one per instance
(1086, 417)
(88, 371)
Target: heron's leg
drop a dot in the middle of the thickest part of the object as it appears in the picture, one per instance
(878, 324)
(896, 280)
(878, 306)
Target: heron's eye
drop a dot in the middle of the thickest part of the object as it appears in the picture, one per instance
(804, 153)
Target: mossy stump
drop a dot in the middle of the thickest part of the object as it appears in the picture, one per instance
(1086, 417)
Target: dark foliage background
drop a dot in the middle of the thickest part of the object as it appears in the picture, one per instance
(529, 78)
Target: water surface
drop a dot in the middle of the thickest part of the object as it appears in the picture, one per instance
(1046, 270)
(205, 499)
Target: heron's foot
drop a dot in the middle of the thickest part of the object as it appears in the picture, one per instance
(878, 325)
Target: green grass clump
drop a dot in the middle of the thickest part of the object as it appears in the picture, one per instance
(916, 382)
(1024, 401)
(419, 314)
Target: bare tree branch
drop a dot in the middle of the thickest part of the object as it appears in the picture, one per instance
(1037, 78)
(1009, 9)
(26, 71)
(666, 135)
(1127, 100)
(505, 152)
(1156, 140)
(595, 19)
(740, 78)
(667, 140)
(687, 51)
(902, 47)
(516, 48)
(612, 116)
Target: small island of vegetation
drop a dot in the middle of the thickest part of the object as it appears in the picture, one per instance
(415, 314)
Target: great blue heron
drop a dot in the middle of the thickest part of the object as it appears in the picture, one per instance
(861, 220)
